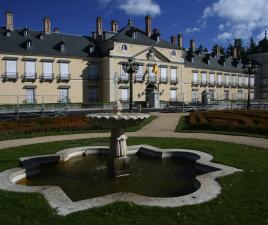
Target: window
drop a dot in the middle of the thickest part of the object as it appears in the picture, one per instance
(163, 75)
(29, 44)
(124, 94)
(64, 70)
(264, 82)
(195, 96)
(252, 95)
(233, 80)
(240, 80)
(30, 95)
(140, 73)
(29, 69)
(47, 69)
(62, 47)
(11, 68)
(173, 76)
(240, 95)
(246, 80)
(227, 79)
(64, 95)
(212, 94)
(123, 75)
(264, 95)
(93, 94)
(212, 78)
(219, 79)
(124, 47)
(226, 94)
(173, 53)
(152, 77)
(252, 81)
(93, 72)
(204, 77)
(195, 77)
(173, 95)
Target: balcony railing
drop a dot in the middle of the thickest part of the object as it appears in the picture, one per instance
(47, 77)
(211, 83)
(29, 77)
(163, 80)
(195, 82)
(245, 85)
(240, 85)
(219, 84)
(252, 85)
(173, 81)
(173, 99)
(64, 100)
(123, 79)
(204, 83)
(139, 78)
(233, 85)
(63, 77)
(10, 76)
(227, 84)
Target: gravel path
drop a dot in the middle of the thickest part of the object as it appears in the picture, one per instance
(163, 126)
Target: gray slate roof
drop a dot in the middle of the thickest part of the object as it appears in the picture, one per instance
(214, 64)
(124, 35)
(76, 46)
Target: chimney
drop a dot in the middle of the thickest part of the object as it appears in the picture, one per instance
(9, 21)
(192, 45)
(180, 45)
(156, 34)
(218, 50)
(173, 40)
(47, 25)
(114, 26)
(148, 25)
(99, 26)
(56, 30)
(235, 53)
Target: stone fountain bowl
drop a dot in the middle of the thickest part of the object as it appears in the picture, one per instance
(117, 121)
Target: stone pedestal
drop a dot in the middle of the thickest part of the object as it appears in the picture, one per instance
(118, 143)
(118, 167)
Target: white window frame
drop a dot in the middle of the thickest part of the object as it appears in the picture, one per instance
(64, 70)
(140, 73)
(194, 96)
(30, 69)
(11, 68)
(124, 94)
(123, 74)
(195, 77)
(30, 96)
(204, 77)
(152, 76)
(47, 69)
(173, 95)
(219, 78)
(173, 75)
(163, 74)
(63, 95)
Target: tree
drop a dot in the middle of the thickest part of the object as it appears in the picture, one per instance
(215, 49)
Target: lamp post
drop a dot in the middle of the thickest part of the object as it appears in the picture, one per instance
(250, 68)
(131, 67)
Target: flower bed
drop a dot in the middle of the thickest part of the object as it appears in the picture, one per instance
(246, 121)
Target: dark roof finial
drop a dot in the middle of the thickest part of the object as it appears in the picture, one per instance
(265, 34)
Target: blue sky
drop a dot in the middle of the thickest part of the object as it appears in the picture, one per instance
(207, 21)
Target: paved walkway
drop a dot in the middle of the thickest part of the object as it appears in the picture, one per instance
(163, 126)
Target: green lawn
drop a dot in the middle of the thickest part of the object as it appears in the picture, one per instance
(16, 135)
(244, 200)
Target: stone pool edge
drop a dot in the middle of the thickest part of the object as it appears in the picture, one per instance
(58, 200)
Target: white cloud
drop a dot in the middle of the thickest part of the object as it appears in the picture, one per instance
(140, 7)
(135, 7)
(224, 36)
(192, 30)
(221, 27)
(241, 18)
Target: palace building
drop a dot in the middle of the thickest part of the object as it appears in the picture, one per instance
(49, 67)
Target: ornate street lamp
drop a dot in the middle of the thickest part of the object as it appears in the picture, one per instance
(131, 67)
(250, 68)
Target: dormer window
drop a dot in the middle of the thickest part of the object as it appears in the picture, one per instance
(8, 33)
(25, 32)
(41, 36)
(91, 49)
(29, 44)
(124, 47)
(62, 47)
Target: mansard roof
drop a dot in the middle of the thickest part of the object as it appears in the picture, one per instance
(218, 63)
(124, 35)
(76, 46)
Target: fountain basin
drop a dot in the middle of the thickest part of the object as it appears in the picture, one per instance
(208, 189)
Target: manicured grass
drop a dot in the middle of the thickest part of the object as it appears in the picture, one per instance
(94, 129)
(184, 125)
(244, 200)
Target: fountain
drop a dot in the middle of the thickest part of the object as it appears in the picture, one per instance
(117, 122)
